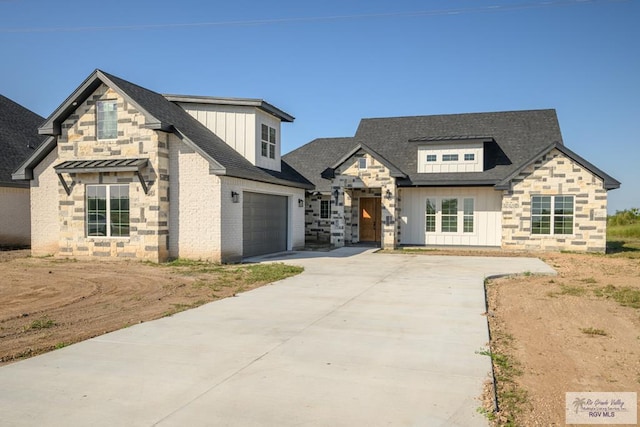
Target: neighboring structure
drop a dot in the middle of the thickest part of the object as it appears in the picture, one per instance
(487, 179)
(18, 139)
(127, 172)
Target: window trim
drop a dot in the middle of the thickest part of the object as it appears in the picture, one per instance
(269, 145)
(108, 211)
(328, 209)
(98, 121)
(460, 216)
(552, 215)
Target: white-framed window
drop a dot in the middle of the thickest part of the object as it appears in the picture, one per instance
(107, 210)
(469, 157)
(362, 163)
(107, 119)
(545, 220)
(450, 215)
(468, 215)
(431, 216)
(268, 137)
(325, 209)
(432, 158)
(449, 157)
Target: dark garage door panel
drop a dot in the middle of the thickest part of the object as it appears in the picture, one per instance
(264, 224)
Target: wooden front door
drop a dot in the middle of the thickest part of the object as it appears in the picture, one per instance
(370, 220)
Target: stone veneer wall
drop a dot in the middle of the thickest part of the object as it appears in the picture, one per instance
(349, 177)
(316, 229)
(556, 174)
(148, 212)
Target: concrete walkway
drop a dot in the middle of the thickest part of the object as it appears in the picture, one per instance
(358, 339)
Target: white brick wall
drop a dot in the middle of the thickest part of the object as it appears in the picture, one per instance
(14, 216)
(45, 226)
(194, 205)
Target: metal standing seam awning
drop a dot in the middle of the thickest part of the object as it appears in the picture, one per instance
(104, 165)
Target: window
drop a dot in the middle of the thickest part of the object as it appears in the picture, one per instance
(469, 157)
(107, 119)
(268, 142)
(449, 157)
(432, 158)
(108, 210)
(431, 216)
(325, 209)
(449, 215)
(362, 163)
(467, 216)
(543, 221)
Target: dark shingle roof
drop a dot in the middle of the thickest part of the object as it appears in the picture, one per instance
(510, 139)
(167, 116)
(234, 164)
(313, 158)
(18, 138)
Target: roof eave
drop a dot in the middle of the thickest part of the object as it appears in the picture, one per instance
(243, 102)
(24, 172)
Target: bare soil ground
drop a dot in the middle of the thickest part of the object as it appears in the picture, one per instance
(48, 303)
(578, 331)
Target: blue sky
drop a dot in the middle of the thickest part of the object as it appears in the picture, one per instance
(333, 62)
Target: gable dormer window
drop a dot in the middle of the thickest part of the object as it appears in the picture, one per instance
(469, 157)
(107, 119)
(449, 157)
(432, 158)
(268, 142)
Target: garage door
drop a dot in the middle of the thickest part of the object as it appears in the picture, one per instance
(264, 224)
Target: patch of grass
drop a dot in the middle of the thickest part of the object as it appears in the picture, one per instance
(626, 248)
(270, 272)
(625, 295)
(628, 231)
(42, 323)
(589, 280)
(594, 332)
(178, 307)
(575, 291)
(60, 345)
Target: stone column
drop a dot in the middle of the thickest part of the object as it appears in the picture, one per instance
(389, 195)
(337, 216)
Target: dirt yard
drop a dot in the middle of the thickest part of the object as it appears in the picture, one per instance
(578, 331)
(48, 303)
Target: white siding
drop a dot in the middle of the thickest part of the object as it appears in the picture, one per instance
(487, 217)
(475, 165)
(15, 229)
(236, 125)
(266, 162)
(45, 226)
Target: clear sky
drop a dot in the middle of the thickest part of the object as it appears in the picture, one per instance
(332, 62)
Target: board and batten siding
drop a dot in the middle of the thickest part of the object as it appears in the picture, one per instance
(461, 165)
(235, 125)
(487, 217)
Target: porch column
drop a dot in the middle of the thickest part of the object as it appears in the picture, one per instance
(389, 202)
(337, 216)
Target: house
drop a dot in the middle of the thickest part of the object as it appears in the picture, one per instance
(126, 172)
(501, 179)
(18, 138)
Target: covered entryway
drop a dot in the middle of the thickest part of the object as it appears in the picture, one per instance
(264, 224)
(370, 219)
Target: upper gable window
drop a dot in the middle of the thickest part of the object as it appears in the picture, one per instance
(469, 157)
(268, 142)
(449, 157)
(432, 158)
(362, 163)
(107, 119)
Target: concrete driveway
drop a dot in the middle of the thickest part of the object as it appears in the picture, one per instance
(358, 339)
